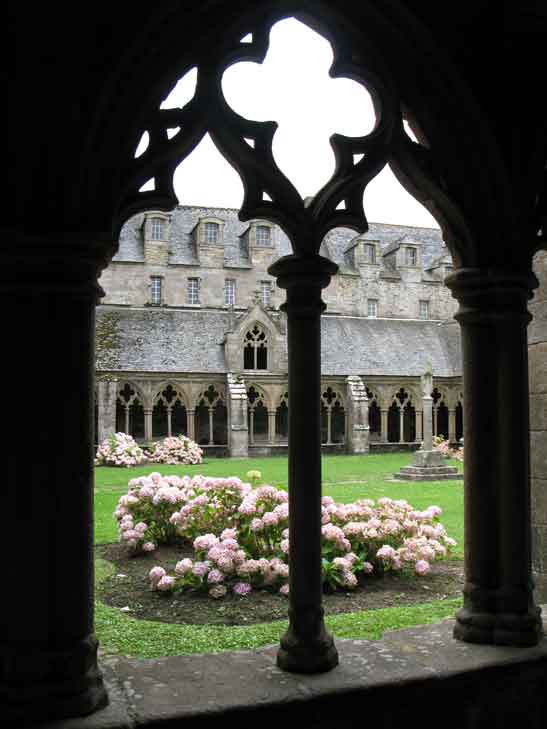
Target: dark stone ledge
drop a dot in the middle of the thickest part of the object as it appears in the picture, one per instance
(421, 672)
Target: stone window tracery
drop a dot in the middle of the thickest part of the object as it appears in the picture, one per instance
(255, 349)
(169, 415)
(211, 417)
(257, 414)
(333, 417)
(282, 418)
(129, 412)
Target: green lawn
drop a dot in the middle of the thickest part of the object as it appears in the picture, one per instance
(346, 479)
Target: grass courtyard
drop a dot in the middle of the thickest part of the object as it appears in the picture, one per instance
(346, 479)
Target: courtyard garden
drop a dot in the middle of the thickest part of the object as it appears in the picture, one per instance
(136, 617)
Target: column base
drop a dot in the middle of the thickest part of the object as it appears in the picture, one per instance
(303, 656)
(428, 466)
(512, 629)
(56, 684)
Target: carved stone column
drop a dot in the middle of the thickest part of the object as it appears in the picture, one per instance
(191, 423)
(419, 430)
(498, 601)
(306, 647)
(357, 423)
(451, 425)
(48, 650)
(106, 406)
(401, 424)
(148, 434)
(383, 425)
(271, 426)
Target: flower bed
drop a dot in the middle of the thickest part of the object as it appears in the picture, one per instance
(119, 449)
(239, 535)
(176, 450)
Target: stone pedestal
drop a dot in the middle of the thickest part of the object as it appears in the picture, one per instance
(238, 429)
(428, 466)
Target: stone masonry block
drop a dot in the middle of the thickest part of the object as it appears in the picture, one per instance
(538, 444)
(537, 355)
(538, 411)
(539, 501)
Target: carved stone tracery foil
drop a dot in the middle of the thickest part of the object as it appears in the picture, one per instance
(307, 221)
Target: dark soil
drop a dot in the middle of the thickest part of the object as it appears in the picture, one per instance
(129, 587)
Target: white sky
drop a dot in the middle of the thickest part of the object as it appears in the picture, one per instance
(292, 87)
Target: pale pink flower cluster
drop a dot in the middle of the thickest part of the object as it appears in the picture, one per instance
(240, 534)
(119, 449)
(176, 450)
(441, 445)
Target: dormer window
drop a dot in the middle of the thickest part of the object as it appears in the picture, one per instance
(255, 349)
(369, 252)
(411, 256)
(263, 235)
(157, 229)
(211, 232)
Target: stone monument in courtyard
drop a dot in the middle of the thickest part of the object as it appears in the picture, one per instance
(428, 464)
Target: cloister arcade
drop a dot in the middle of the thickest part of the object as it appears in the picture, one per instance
(149, 410)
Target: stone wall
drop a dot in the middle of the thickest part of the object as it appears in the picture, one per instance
(538, 426)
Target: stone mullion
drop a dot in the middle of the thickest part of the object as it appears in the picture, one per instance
(419, 428)
(271, 426)
(401, 424)
(169, 423)
(435, 414)
(498, 598)
(329, 425)
(451, 425)
(148, 431)
(251, 426)
(127, 406)
(211, 416)
(306, 647)
(384, 425)
(191, 423)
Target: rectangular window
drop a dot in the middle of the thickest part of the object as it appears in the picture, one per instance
(370, 253)
(155, 290)
(193, 291)
(424, 309)
(265, 292)
(229, 292)
(372, 308)
(411, 256)
(158, 229)
(263, 235)
(210, 232)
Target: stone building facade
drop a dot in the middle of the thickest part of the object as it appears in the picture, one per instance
(191, 338)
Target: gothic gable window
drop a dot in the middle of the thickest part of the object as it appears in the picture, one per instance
(255, 349)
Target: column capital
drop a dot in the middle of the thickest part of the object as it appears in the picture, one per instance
(62, 263)
(302, 273)
(491, 292)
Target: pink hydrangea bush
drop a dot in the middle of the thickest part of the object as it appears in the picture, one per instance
(240, 537)
(119, 449)
(176, 450)
(441, 445)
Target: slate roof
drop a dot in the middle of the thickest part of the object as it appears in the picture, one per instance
(177, 340)
(335, 243)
